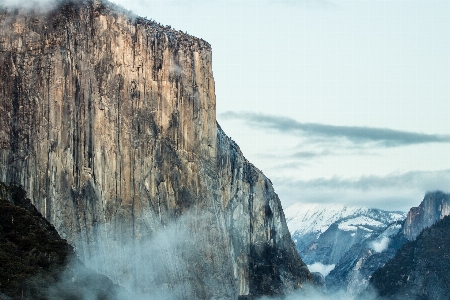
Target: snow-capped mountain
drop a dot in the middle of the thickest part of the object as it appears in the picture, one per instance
(354, 269)
(345, 244)
(317, 218)
(323, 233)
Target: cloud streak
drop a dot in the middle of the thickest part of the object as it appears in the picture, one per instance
(358, 135)
(396, 191)
(428, 180)
(297, 154)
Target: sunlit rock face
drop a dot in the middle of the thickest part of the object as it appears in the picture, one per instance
(108, 121)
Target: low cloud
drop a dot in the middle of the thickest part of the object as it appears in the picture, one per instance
(321, 268)
(310, 293)
(297, 154)
(383, 137)
(310, 154)
(391, 192)
(291, 165)
(381, 245)
(155, 261)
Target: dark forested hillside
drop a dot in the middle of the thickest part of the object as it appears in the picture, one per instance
(35, 262)
(420, 269)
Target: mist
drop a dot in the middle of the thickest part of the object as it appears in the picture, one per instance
(310, 293)
(41, 5)
(380, 245)
(159, 265)
(178, 260)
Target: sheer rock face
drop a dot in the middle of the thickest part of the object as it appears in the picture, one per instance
(434, 207)
(108, 121)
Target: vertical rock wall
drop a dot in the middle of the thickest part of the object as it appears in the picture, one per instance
(434, 207)
(266, 260)
(108, 121)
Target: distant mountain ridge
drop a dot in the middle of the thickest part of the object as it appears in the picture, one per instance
(346, 244)
(315, 228)
(354, 269)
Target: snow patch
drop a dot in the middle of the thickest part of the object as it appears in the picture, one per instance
(380, 245)
(354, 223)
(316, 218)
(321, 268)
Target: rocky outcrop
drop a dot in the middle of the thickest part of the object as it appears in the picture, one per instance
(108, 121)
(355, 269)
(393, 279)
(434, 207)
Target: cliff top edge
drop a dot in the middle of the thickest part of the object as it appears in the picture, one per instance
(47, 8)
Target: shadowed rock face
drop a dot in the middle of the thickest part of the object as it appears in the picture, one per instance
(108, 121)
(434, 207)
(35, 263)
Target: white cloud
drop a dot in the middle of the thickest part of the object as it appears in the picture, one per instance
(395, 191)
(380, 245)
(321, 268)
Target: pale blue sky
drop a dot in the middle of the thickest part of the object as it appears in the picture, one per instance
(296, 79)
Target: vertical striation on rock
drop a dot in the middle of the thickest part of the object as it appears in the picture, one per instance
(434, 207)
(267, 261)
(108, 121)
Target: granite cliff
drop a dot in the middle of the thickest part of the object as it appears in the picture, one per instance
(434, 207)
(108, 121)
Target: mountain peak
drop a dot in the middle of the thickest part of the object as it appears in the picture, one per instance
(434, 207)
(316, 218)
